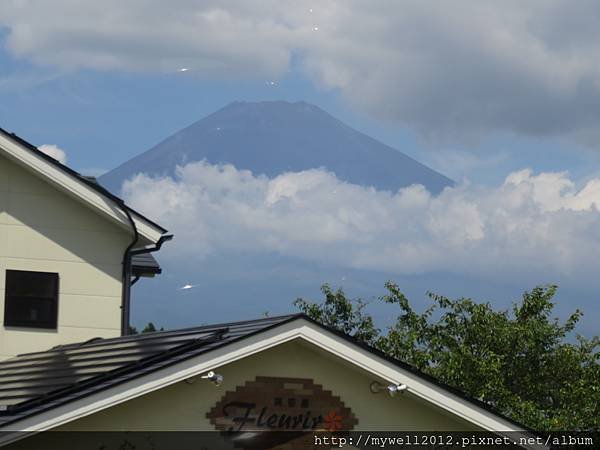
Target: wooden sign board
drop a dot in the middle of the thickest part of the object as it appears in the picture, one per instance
(280, 412)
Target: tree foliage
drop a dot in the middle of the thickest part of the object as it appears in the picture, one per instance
(149, 328)
(518, 361)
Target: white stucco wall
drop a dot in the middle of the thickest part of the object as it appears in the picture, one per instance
(43, 229)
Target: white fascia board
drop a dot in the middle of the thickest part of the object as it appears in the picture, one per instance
(76, 188)
(417, 385)
(145, 228)
(297, 329)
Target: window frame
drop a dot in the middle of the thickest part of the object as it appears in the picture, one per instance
(46, 325)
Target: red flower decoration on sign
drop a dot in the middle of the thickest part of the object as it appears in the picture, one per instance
(333, 421)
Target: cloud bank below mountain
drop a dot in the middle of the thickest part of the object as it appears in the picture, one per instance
(536, 227)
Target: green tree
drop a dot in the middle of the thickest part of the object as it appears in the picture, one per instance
(518, 361)
(149, 328)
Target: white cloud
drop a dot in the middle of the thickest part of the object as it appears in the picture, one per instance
(54, 152)
(209, 37)
(536, 226)
(454, 70)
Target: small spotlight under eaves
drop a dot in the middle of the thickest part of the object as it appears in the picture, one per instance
(216, 378)
(392, 389)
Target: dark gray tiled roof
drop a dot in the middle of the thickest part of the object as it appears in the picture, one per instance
(35, 382)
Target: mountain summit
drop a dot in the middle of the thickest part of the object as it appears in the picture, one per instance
(275, 137)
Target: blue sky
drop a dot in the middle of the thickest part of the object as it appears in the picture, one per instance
(502, 87)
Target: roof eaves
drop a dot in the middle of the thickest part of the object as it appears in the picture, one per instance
(417, 372)
(127, 372)
(89, 387)
(95, 186)
(277, 322)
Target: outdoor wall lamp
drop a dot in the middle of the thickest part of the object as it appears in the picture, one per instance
(216, 378)
(392, 389)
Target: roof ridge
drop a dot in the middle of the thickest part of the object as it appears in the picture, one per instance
(157, 334)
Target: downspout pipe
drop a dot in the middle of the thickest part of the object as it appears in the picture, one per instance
(164, 238)
(126, 281)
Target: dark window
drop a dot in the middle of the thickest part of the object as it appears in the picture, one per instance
(31, 299)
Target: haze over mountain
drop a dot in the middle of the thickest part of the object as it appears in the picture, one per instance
(271, 138)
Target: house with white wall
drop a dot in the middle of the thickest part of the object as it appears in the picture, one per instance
(69, 252)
